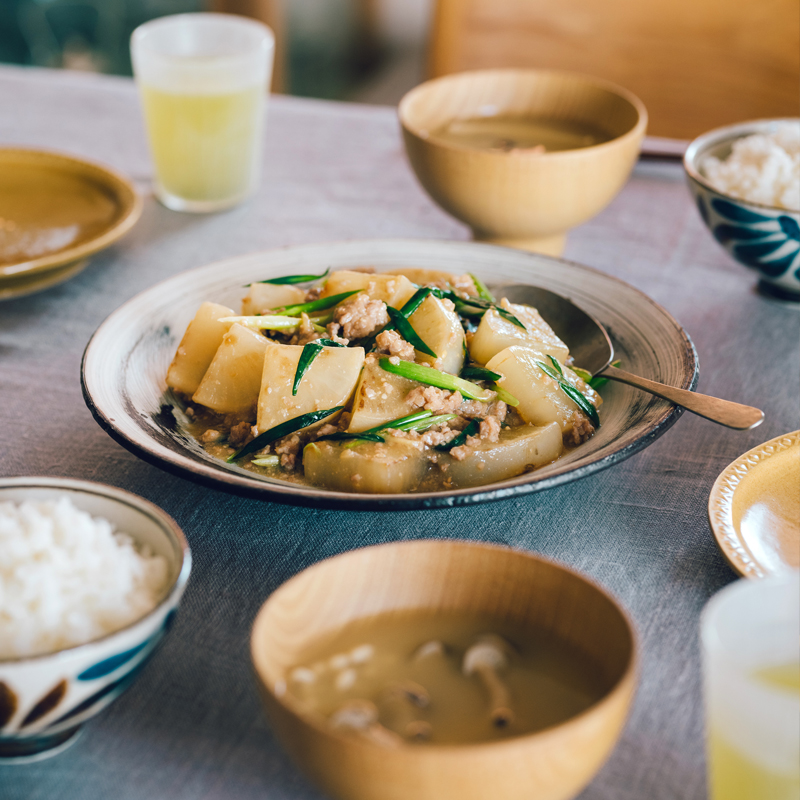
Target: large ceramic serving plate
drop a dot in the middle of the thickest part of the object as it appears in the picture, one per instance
(754, 508)
(55, 210)
(126, 362)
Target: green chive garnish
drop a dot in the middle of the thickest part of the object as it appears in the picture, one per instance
(279, 431)
(433, 377)
(292, 279)
(406, 330)
(329, 343)
(571, 392)
(480, 287)
(315, 305)
(475, 307)
(556, 365)
(472, 429)
(480, 374)
(310, 352)
(582, 403)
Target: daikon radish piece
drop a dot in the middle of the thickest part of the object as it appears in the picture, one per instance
(394, 290)
(329, 382)
(495, 333)
(233, 379)
(197, 348)
(398, 466)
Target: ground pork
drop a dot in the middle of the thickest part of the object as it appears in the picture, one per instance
(475, 409)
(211, 435)
(288, 448)
(313, 293)
(360, 316)
(439, 434)
(305, 333)
(439, 401)
(393, 344)
(580, 431)
(240, 434)
(490, 429)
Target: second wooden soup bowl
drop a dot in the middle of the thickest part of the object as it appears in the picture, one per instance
(447, 576)
(520, 197)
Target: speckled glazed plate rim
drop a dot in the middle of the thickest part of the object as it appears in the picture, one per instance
(120, 188)
(110, 371)
(721, 499)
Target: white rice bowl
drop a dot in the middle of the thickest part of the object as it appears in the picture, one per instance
(67, 578)
(762, 168)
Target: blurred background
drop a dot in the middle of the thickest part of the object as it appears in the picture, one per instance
(362, 50)
(696, 64)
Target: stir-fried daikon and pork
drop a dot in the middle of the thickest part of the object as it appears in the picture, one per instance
(384, 383)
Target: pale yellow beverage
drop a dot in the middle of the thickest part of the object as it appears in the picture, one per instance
(734, 775)
(205, 146)
(751, 657)
(203, 79)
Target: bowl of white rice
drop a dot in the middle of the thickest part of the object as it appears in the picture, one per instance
(90, 580)
(745, 179)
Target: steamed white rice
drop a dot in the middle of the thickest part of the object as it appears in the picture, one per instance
(762, 168)
(67, 578)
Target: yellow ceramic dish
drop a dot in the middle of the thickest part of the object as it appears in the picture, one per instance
(754, 508)
(55, 210)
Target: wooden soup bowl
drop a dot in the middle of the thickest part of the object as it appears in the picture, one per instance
(513, 586)
(522, 198)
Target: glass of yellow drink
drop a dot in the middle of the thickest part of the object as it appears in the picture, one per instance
(203, 81)
(751, 662)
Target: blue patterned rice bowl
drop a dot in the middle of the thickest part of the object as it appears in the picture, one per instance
(763, 238)
(44, 699)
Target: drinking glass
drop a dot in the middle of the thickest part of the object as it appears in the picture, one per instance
(750, 635)
(203, 81)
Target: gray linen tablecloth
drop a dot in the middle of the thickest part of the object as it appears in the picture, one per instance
(192, 726)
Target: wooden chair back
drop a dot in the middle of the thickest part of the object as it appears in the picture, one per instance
(696, 64)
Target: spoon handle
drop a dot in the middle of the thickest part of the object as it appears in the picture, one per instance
(733, 415)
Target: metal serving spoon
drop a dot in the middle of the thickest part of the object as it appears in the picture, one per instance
(592, 350)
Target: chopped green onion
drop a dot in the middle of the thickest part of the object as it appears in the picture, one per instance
(480, 374)
(415, 301)
(583, 374)
(398, 423)
(582, 403)
(481, 289)
(291, 279)
(471, 430)
(424, 424)
(571, 392)
(465, 304)
(266, 461)
(341, 435)
(433, 377)
(407, 331)
(505, 397)
(600, 380)
(279, 431)
(329, 343)
(310, 352)
(316, 305)
(272, 323)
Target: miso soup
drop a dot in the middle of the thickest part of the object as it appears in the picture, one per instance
(516, 132)
(416, 677)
